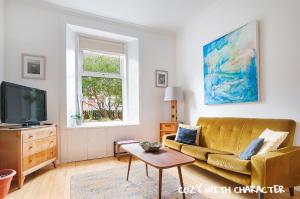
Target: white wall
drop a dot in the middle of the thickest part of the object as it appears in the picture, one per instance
(1, 40)
(279, 58)
(36, 28)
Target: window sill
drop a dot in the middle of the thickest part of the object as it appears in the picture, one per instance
(102, 125)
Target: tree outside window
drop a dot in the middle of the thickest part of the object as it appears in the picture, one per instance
(102, 92)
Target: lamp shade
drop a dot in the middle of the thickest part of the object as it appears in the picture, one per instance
(173, 93)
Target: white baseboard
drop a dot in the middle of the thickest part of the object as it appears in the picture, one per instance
(297, 188)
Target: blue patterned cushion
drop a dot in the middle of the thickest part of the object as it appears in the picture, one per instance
(186, 136)
(252, 149)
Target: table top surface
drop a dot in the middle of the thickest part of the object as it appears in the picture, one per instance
(162, 159)
(126, 142)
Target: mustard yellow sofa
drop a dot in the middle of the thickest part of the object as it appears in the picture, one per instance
(223, 139)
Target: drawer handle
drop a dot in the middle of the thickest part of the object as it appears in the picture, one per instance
(51, 132)
(29, 137)
(52, 141)
(29, 148)
(168, 125)
(30, 161)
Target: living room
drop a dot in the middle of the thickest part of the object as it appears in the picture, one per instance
(159, 69)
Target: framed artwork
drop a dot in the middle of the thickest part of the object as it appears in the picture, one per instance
(161, 78)
(33, 66)
(231, 67)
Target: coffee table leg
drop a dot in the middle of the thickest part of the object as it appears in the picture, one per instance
(129, 164)
(181, 180)
(160, 183)
(118, 152)
(146, 169)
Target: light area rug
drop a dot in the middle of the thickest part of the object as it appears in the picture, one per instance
(112, 184)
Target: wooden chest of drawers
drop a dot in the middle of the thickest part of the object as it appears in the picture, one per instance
(27, 149)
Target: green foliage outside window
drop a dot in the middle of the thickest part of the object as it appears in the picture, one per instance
(102, 96)
(100, 63)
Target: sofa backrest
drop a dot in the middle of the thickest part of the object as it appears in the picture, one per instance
(234, 134)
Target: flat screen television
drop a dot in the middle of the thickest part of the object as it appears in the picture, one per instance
(21, 104)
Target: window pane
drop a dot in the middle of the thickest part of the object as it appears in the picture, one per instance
(97, 62)
(102, 99)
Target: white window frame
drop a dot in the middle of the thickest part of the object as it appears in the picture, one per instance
(70, 89)
(122, 76)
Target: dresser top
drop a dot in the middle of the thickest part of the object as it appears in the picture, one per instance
(20, 128)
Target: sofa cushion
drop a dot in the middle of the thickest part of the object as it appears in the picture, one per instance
(252, 149)
(187, 126)
(230, 162)
(200, 153)
(173, 144)
(186, 136)
(272, 139)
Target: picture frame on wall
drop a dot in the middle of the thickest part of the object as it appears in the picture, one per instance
(161, 78)
(33, 66)
(232, 74)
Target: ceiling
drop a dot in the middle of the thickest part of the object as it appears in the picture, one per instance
(165, 15)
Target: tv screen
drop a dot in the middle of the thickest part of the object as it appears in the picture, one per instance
(21, 104)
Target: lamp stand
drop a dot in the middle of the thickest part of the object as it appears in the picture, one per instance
(173, 110)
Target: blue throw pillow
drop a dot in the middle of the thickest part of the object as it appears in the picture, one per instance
(252, 149)
(186, 136)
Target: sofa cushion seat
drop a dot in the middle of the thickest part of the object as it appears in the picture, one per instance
(230, 162)
(173, 144)
(200, 153)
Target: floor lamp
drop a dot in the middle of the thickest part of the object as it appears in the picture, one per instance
(173, 94)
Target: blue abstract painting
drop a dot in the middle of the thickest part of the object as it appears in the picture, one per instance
(231, 67)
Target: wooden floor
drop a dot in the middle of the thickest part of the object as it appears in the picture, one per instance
(50, 183)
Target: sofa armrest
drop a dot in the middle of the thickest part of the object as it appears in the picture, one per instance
(281, 167)
(168, 136)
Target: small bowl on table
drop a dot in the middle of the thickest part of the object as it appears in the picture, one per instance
(150, 147)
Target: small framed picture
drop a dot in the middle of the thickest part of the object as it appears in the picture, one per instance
(161, 78)
(33, 66)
